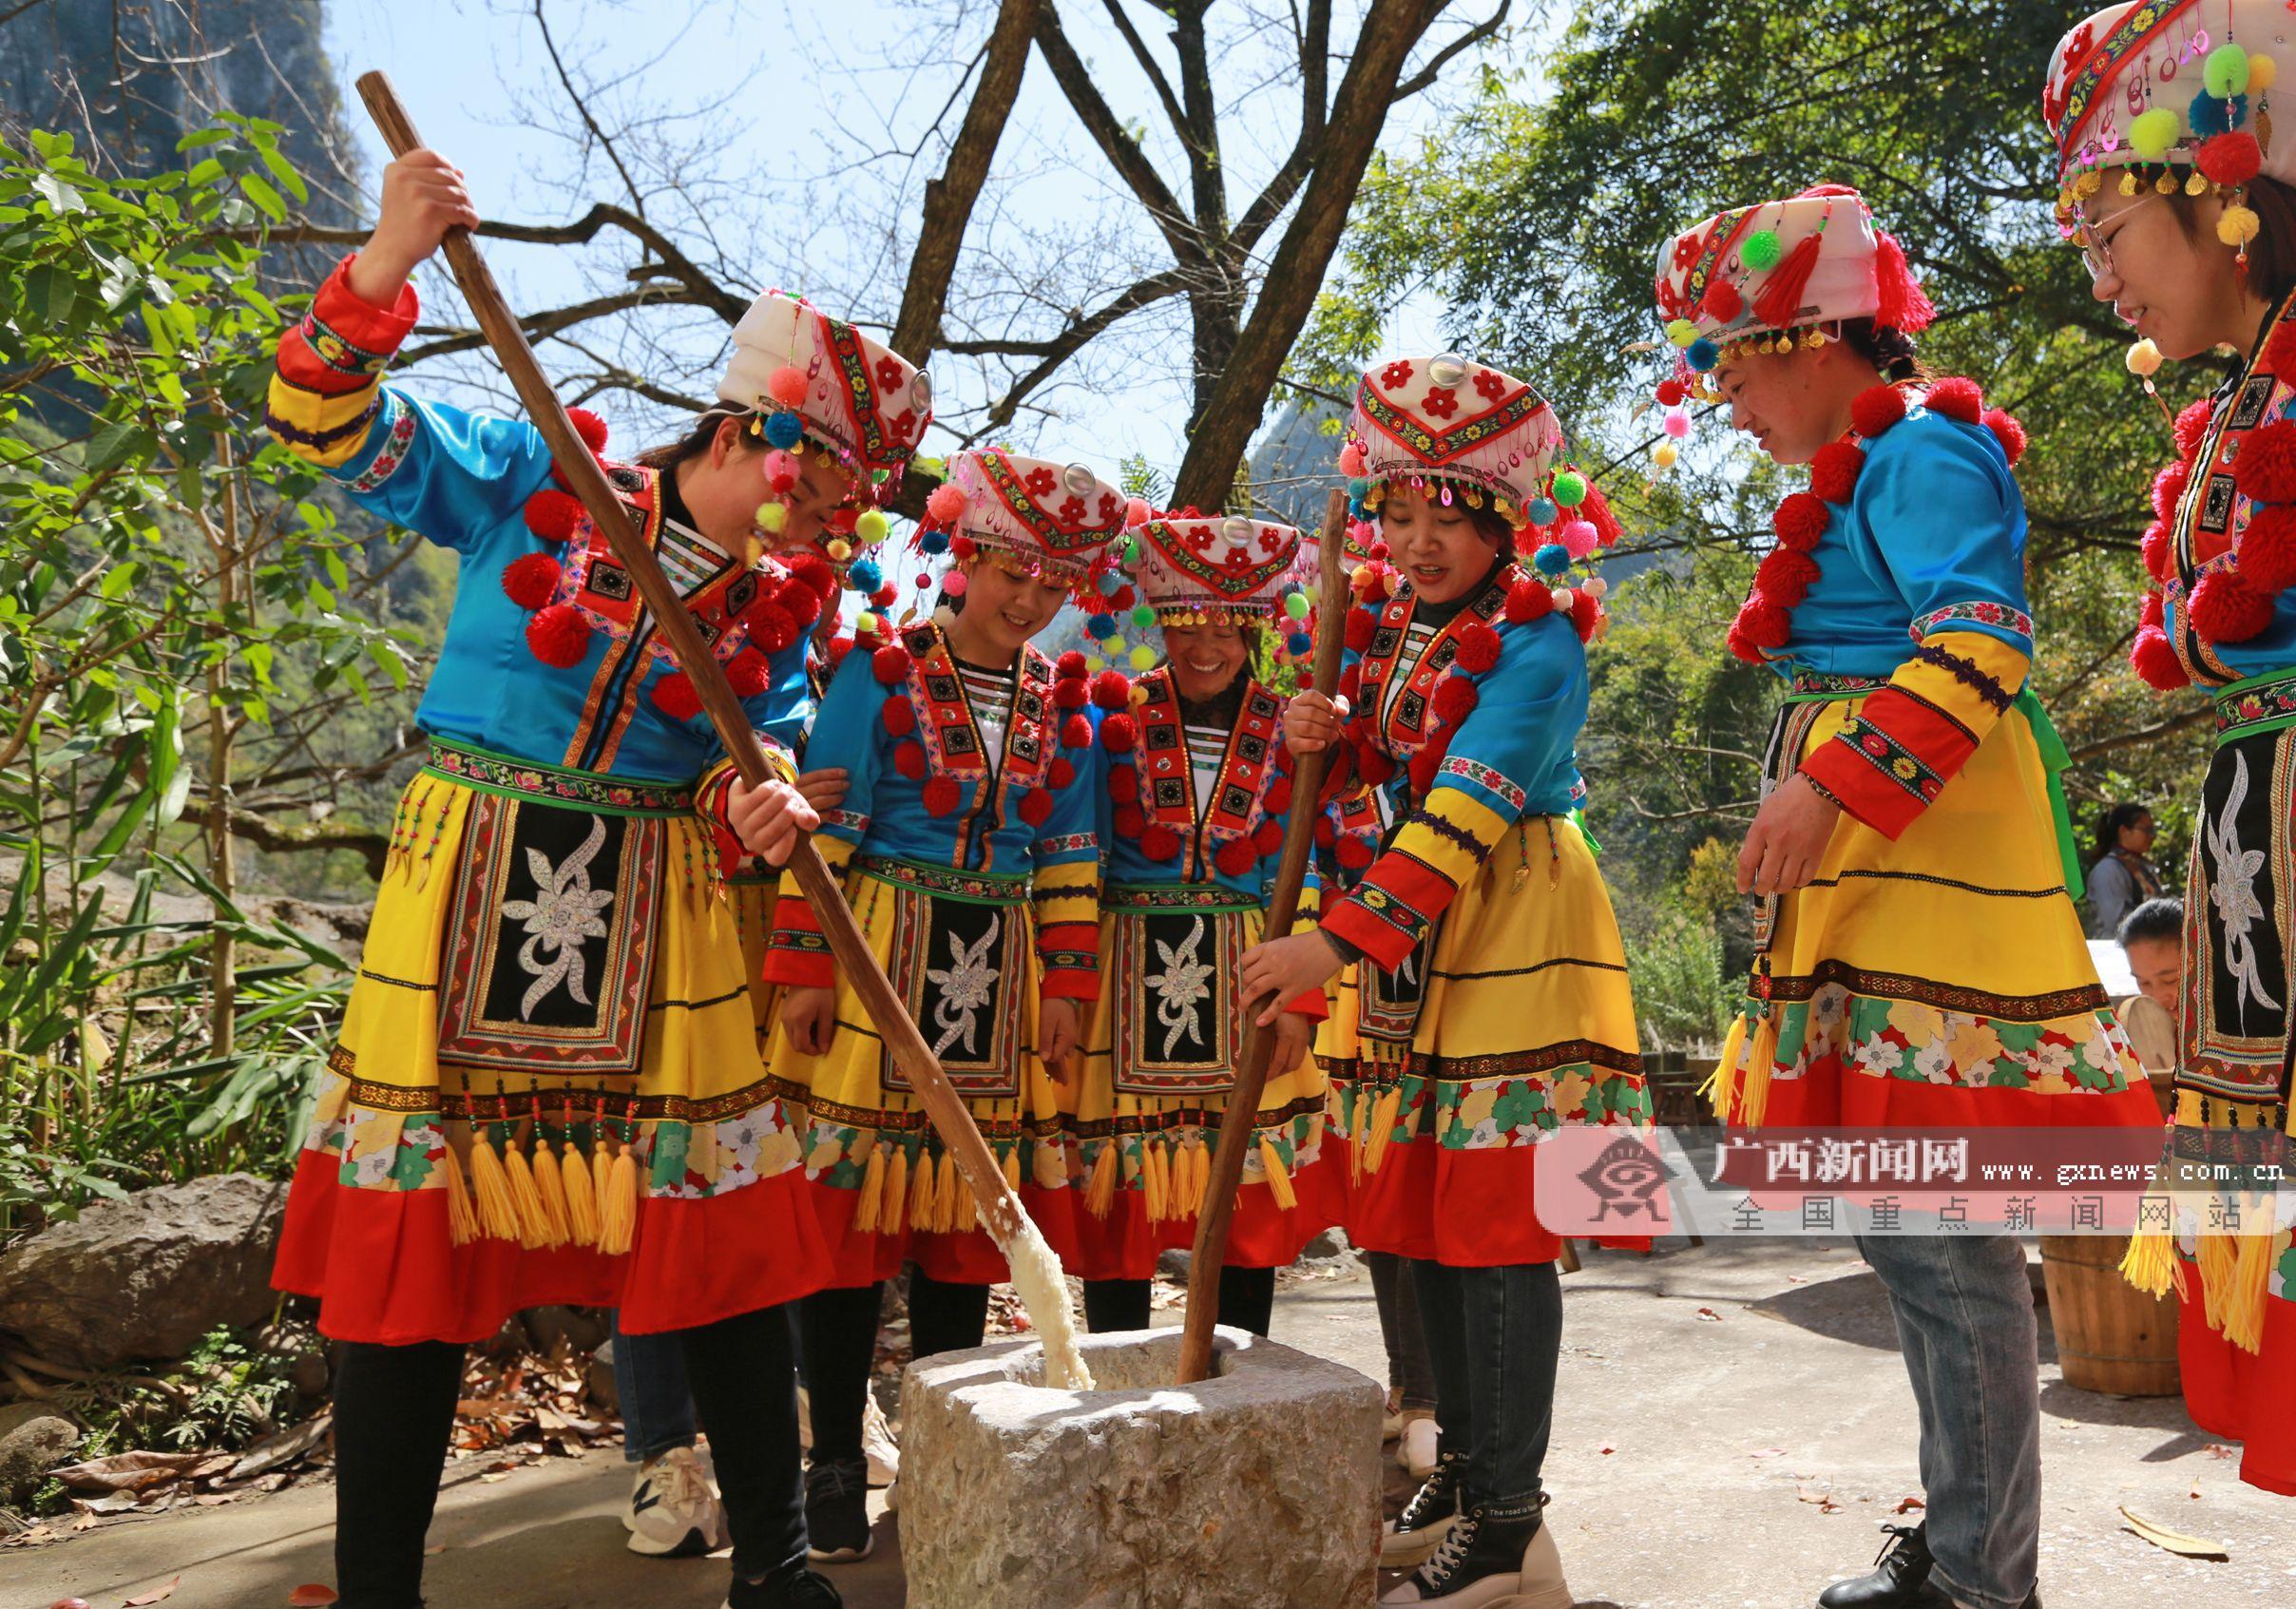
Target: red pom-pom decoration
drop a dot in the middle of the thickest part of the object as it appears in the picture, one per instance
(1833, 473)
(1742, 647)
(909, 760)
(2008, 431)
(1670, 394)
(1801, 520)
(1235, 857)
(1075, 732)
(1527, 599)
(589, 427)
(889, 663)
(1354, 853)
(1454, 699)
(1325, 836)
(1784, 575)
(2230, 159)
(2155, 546)
(1161, 842)
(2169, 489)
(2278, 358)
(1875, 409)
(2267, 548)
(2191, 425)
(1723, 302)
(941, 796)
(1070, 666)
(1478, 648)
(2155, 662)
(2266, 471)
(1061, 772)
(1373, 764)
(1586, 613)
(530, 579)
(773, 628)
(1128, 821)
(747, 672)
(799, 601)
(786, 384)
(900, 716)
(1111, 691)
(2226, 607)
(1036, 805)
(1956, 398)
(1266, 838)
(815, 571)
(1279, 795)
(559, 635)
(1124, 783)
(552, 514)
(1117, 733)
(2150, 613)
(1068, 695)
(674, 696)
(1361, 625)
(1765, 624)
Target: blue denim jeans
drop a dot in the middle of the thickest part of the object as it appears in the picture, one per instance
(1964, 1311)
(1493, 1337)
(657, 1405)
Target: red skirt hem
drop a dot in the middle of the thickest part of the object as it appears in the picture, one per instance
(2244, 1397)
(859, 1258)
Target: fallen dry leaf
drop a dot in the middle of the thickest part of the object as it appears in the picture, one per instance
(1818, 1494)
(152, 1596)
(128, 1471)
(275, 1451)
(1608, 1446)
(2217, 1449)
(1907, 1505)
(310, 1595)
(2178, 1542)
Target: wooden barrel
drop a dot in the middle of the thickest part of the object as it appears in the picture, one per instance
(2111, 1337)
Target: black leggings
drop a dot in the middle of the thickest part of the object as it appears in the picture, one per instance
(1246, 1301)
(395, 1411)
(841, 1345)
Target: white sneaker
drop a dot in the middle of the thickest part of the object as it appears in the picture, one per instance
(674, 1511)
(1415, 1449)
(877, 1442)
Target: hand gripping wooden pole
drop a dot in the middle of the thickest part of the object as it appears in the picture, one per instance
(1001, 1213)
(1251, 1077)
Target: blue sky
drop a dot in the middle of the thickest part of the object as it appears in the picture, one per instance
(797, 105)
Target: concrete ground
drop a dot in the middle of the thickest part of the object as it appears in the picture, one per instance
(1737, 1461)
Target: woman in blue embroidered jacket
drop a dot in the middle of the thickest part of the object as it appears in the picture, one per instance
(1196, 791)
(967, 841)
(546, 1088)
(1488, 1002)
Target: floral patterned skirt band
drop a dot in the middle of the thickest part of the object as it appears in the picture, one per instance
(1819, 684)
(2254, 705)
(981, 888)
(1172, 896)
(598, 791)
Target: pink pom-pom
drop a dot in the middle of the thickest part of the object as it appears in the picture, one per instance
(1137, 511)
(1351, 459)
(954, 583)
(780, 471)
(1578, 537)
(1676, 425)
(786, 384)
(945, 505)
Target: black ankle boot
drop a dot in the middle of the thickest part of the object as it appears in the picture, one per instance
(1899, 1579)
(1419, 1530)
(1479, 1562)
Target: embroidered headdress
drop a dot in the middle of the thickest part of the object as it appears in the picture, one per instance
(1218, 570)
(1055, 519)
(1459, 430)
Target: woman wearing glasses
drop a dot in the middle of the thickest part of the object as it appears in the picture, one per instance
(2178, 190)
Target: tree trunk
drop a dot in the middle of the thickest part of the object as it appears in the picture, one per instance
(948, 199)
(1295, 274)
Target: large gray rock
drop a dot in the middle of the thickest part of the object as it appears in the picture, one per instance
(1256, 1490)
(148, 1276)
(34, 1438)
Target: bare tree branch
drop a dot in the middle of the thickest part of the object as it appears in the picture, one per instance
(1123, 154)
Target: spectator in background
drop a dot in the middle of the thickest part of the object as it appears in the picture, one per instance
(2121, 878)
(2153, 938)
